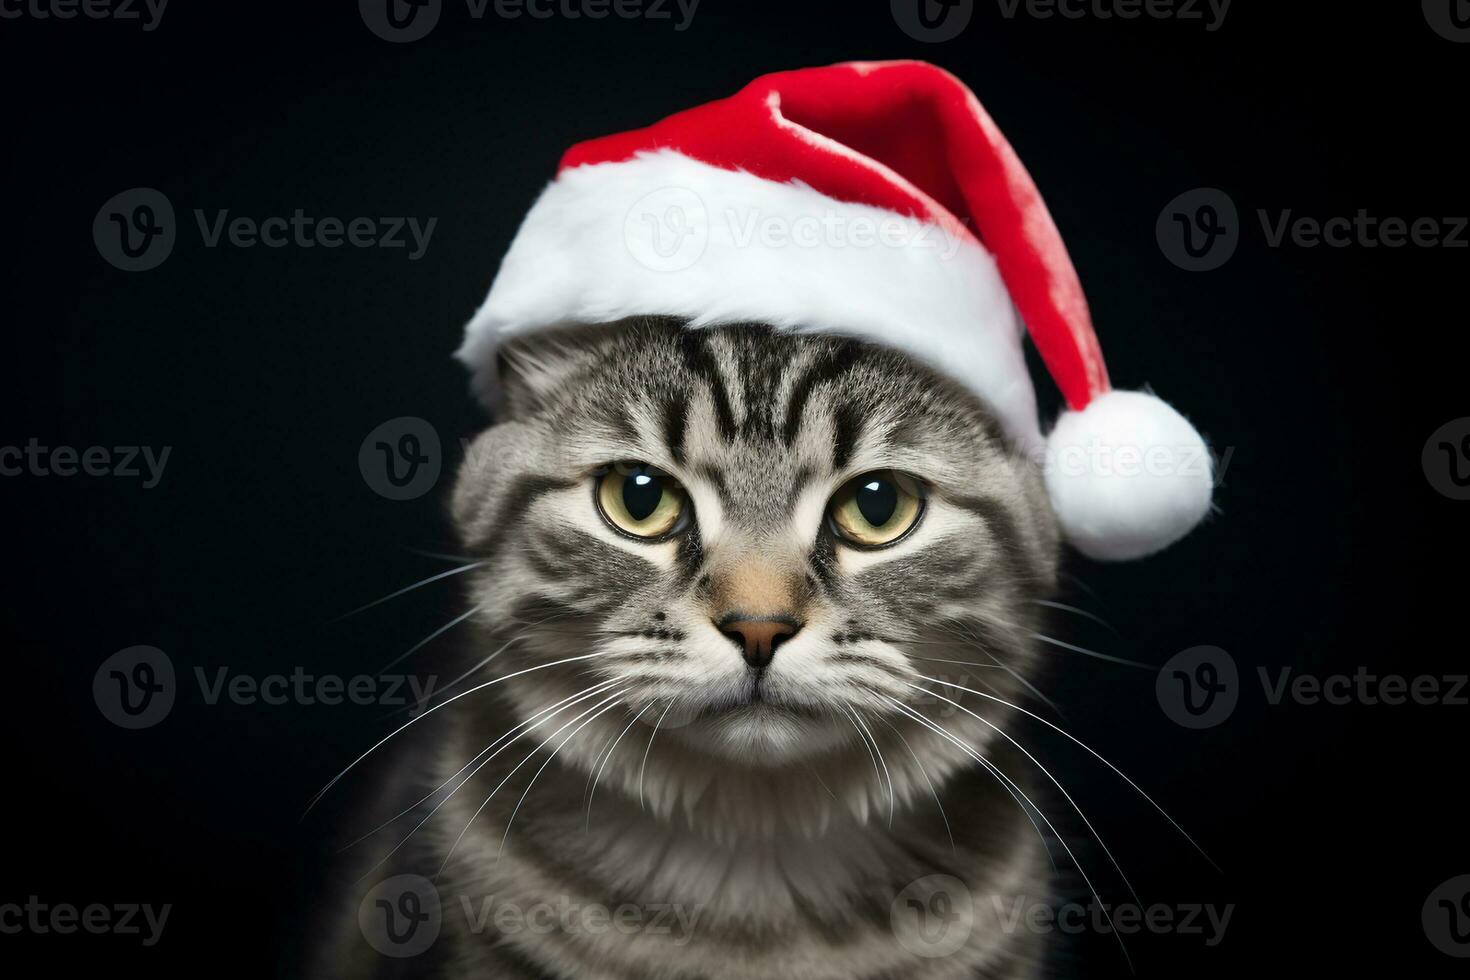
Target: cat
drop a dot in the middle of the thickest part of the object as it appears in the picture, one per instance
(715, 564)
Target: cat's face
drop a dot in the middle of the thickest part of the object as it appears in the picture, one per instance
(758, 537)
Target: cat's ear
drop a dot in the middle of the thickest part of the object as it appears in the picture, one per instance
(530, 371)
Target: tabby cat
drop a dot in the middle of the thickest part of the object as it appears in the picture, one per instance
(715, 564)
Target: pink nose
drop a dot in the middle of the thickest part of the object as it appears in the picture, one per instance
(759, 638)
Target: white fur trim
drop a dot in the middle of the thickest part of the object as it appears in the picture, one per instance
(664, 234)
(1127, 476)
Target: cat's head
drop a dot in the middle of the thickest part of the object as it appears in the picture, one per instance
(760, 538)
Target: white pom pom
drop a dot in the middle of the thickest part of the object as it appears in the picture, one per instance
(1127, 476)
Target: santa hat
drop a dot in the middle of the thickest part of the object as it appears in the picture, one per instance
(876, 200)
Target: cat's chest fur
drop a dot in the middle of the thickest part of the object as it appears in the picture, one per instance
(644, 889)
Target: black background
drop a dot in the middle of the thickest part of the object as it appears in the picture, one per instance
(1324, 371)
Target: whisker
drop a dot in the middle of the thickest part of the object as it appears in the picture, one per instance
(818, 776)
(510, 735)
(644, 768)
(441, 556)
(592, 692)
(871, 757)
(497, 652)
(1092, 653)
(1008, 784)
(418, 718)
(549, 759)
(597, 775)
(408, 588)
(1079, 583)
(531, 755)
(1093, 752)
(963, 663)
(1051, 604)
(878, 751)
(429, 639)
(976, 643)
(1054, 781)
(1062, 841)
(456, 682)
(932, 791)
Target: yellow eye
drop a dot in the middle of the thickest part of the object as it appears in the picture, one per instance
(641, 501)
(876, 508)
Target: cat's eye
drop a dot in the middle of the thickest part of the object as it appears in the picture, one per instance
(877, 508)
(641, 501)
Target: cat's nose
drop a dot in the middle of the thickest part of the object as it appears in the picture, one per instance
(758, 638)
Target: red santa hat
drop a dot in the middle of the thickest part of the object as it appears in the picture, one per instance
(876, 200)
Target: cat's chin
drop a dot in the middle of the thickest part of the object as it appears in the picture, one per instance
(761, 734)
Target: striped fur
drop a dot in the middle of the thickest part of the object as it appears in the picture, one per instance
(768, 825)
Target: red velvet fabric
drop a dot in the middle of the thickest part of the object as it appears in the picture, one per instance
(911, 138)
